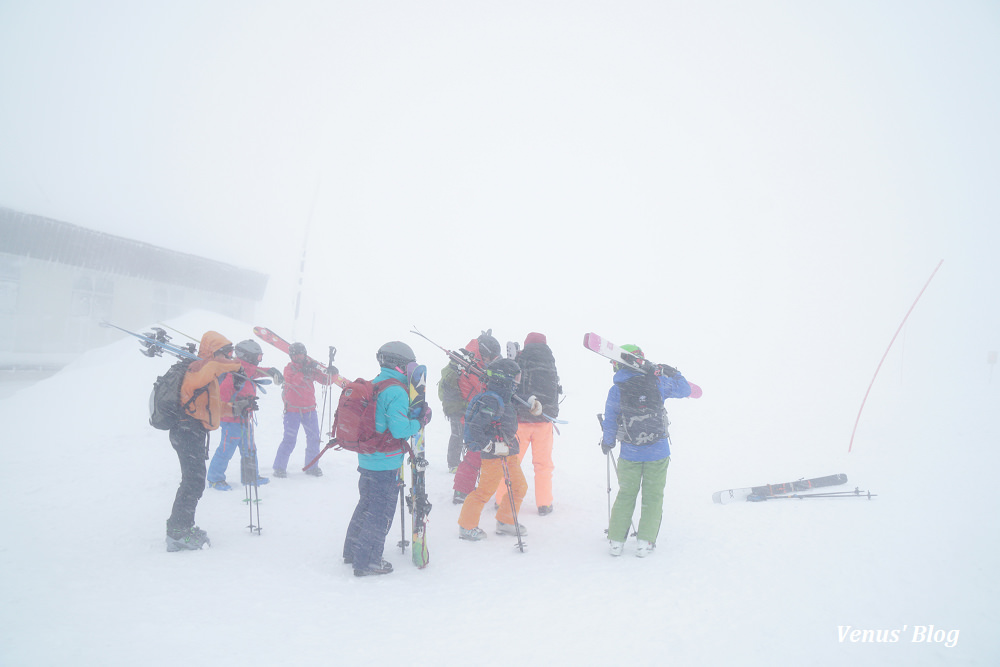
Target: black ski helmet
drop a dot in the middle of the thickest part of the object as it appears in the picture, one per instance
(489, 347)
(249, 351)
(296, 348)
(395, 354)
(501, 376)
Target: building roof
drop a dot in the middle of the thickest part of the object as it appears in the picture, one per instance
(27, 235)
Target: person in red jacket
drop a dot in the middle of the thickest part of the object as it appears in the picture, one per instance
(299, 396)
(484, 350)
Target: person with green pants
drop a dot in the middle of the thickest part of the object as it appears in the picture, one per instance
(635, 416)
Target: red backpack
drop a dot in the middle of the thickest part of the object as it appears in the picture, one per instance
(354, 420)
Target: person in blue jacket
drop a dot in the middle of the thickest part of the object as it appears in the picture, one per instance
(378, 485)
(635, 416)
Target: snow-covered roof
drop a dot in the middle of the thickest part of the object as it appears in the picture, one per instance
(27, 235)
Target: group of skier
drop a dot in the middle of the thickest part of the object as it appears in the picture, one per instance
(498, 408)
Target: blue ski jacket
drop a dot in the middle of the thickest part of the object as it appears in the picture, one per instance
(675, 387)
(392, 414)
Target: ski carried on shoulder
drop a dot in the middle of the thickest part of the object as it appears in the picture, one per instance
(757, 493)
(417, 500)
(609, 350)
(471, 367)
(277, 341)
(158, 343)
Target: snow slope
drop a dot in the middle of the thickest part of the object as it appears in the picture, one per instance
(86, 580)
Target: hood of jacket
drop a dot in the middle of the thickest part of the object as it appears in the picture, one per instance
(212, 342)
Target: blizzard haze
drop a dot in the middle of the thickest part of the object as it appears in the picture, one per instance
(754, 192)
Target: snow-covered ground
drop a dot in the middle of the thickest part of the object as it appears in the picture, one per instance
(87, 486)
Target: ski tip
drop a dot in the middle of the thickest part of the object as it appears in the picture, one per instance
(695, 390)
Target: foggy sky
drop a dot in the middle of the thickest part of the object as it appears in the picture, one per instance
(753, 187)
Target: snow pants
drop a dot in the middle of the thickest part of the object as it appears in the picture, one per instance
(234, 436)
(372, 519)
(490, 477)
(651, 478)
(456, 441)
(310, 424)
(190, 440)
(537, 435)
(468, 472)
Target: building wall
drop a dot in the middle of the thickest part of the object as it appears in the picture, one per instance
(50, 312)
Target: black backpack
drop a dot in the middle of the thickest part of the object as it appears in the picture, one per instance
(165, 409)
(642, 419)
(539, 379)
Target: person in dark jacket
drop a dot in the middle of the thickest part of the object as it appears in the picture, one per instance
(634, 415)
(491, 430)
(540, 379)
(483, 351)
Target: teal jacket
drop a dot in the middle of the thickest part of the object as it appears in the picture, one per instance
(392, 414)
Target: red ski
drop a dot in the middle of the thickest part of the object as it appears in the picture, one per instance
(274, 339)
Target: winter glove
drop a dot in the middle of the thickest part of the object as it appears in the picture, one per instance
(241, 406)
(276, 375)
(497, 448)
(425, 416)
(663, 369)
(606, 448)
(332, 370)
(534, 406)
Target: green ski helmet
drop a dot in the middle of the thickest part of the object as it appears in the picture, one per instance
(631, 349)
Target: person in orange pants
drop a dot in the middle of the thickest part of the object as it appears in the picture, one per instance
(490, 479)
(491, 428)
(538, 436)
(540, 379)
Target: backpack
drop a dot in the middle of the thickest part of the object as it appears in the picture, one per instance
(643, 419)
(539, 379)
(475, 407)
(354, 420)
(165, 409)
(449, 392)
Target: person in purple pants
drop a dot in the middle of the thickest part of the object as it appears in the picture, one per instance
(299, 396)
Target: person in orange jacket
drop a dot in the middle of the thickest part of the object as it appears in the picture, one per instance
(203, 411)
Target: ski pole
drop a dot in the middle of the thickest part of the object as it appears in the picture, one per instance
(248, 469)
(607, 465)
(403, 542)
(513, 505)
(856, 493)
(611, 460)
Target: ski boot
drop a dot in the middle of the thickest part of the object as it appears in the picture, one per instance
(644, 548)
(191, 539)
(471, 534)
(509, 529)
(385, 567)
